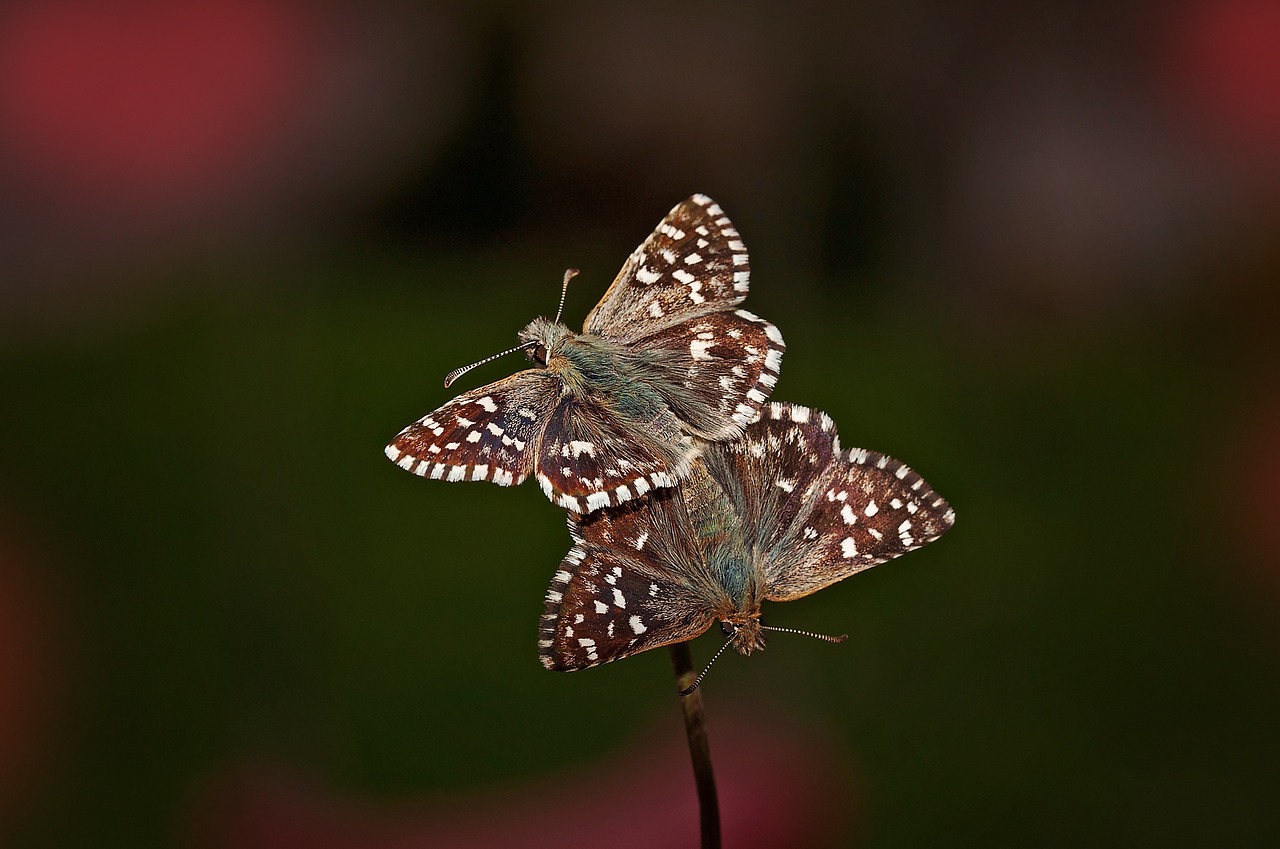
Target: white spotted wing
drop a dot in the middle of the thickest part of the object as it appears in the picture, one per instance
(716, 370)
(864, 510)
(665, 361)
(630, 583)
(776, 515)
(692, 264)
(491, 433)
(588, 459)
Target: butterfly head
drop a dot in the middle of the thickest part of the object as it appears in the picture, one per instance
(542, 340)
(539, 340)
(745, 633)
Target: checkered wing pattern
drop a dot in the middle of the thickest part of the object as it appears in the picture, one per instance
(491, 433)
(867, 509)
(589, 459)
(626, 586)
(717, 370)
(693, 263)
(772, 474)
(665, 363)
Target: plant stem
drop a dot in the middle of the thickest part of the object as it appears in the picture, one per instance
(695, 727)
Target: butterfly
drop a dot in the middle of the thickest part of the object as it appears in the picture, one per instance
(774, 516)
(664, 364)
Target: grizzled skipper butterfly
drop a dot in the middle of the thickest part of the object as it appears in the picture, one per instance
(773, 516)
(665, 363)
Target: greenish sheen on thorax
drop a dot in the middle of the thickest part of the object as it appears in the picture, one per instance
(591, 365)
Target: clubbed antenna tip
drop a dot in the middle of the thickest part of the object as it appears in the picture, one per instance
(824, 637)
(569, 274)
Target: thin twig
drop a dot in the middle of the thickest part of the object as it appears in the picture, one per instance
(695, 727)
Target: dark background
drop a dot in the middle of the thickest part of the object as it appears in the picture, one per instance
(1029, 248)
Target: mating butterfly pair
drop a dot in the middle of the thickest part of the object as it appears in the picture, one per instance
(668, 384)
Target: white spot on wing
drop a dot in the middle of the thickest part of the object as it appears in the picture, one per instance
(698, 349)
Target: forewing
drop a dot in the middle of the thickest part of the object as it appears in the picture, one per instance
(630, 583)
(693, 263)
(490, 433)
(869, 509)
(715, 371)
(773, 472)
(589, 459)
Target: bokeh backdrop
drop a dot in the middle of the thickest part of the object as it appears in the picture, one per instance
(1031, 248)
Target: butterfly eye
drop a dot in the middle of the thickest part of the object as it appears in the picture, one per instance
(728, 628)
(538, 354)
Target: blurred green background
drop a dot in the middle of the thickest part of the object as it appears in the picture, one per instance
(1029, 249)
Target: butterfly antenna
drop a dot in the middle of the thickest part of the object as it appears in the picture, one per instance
(569, 274)
(696, 681)
(459, 372)
(823, 637)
